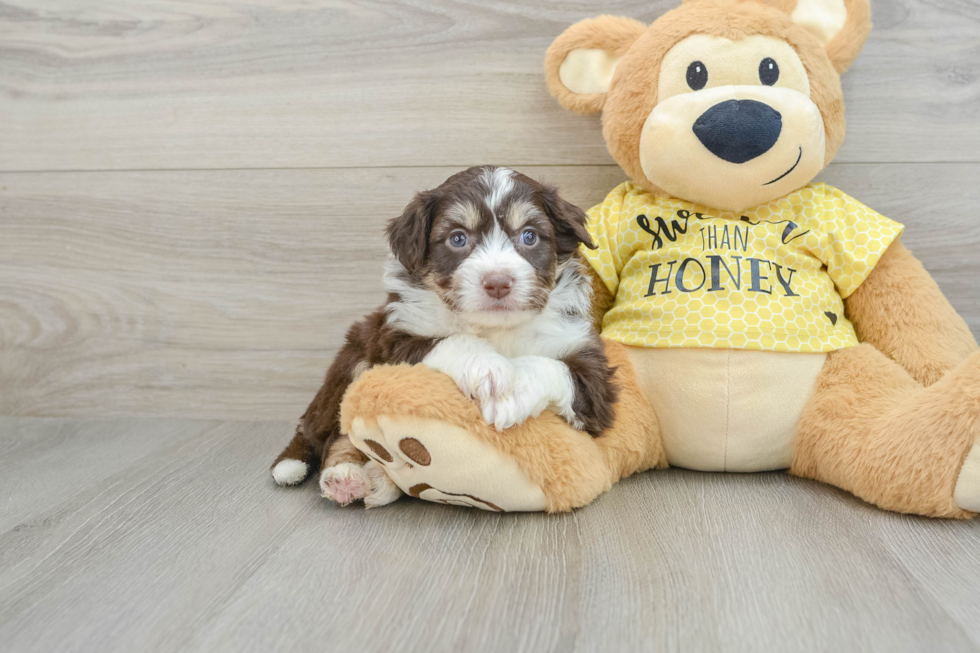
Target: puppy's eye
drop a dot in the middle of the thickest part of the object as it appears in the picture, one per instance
(768, 71)
(458, 239)
(697, 76)
(529, 237)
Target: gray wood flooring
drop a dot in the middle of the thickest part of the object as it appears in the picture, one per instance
(168, 535)
(191, 203)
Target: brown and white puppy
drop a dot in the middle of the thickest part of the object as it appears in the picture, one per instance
(484, 284)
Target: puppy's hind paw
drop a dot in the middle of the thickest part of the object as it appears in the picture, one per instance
(381, 489)
(344, 483)
(290, 472)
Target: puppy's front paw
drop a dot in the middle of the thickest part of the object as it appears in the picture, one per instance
(486, 376)
(524, 402)
(344, 483)
(512, 410)
(539, 383)
(503, 413)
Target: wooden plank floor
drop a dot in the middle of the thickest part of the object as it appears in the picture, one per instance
(191, 203)
(167, 535)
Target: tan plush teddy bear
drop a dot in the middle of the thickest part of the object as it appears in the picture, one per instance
(759, 321)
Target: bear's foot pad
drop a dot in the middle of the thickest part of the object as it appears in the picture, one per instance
(443, 463)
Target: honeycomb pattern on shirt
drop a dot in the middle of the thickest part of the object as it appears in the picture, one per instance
(773, 279)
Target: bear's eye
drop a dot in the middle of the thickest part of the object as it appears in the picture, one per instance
(697, 76)
(768, 71)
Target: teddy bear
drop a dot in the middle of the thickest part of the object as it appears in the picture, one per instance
(757, 320)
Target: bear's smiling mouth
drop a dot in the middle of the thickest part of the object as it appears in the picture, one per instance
(798, 159)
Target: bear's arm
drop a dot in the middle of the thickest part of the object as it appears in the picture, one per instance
(602, 299)
(902, 312)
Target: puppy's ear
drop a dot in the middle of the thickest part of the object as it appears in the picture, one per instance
(841, 26)
(568, 220)
(580, 63)
(408, 234)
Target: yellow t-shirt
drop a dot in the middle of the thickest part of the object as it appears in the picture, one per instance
(684, 275)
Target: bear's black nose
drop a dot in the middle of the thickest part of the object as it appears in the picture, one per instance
(739, 130)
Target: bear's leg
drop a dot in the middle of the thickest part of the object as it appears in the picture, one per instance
(434, 444)
(872, 430)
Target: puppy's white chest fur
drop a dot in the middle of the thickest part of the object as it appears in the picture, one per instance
(515, 371)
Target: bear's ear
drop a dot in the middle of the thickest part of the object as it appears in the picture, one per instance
(842, 26)
(580, 63)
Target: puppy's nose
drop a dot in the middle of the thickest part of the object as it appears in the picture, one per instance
(497, 285)
(739, 130)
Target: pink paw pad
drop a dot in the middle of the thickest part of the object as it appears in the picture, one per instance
(344, 483)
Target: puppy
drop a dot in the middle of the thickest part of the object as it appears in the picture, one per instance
(485, 283)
